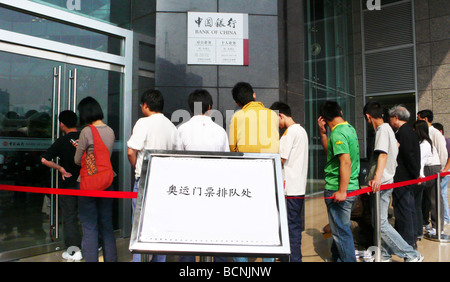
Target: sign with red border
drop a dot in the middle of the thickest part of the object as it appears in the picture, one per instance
(217, 39)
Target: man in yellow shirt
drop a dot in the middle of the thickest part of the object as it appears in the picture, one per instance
(254, 128)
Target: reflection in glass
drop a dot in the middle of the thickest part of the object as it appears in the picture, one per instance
(28, 24)
(114, 12)
(26, 93)
(328, 73)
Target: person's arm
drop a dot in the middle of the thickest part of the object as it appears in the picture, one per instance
(81, 147)
(323, 133)
(345, 169)
(233, 135)
(59, 168)
(447, 166)
(132, 157)
(375, 183)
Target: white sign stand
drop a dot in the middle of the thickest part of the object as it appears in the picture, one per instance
(210, 204)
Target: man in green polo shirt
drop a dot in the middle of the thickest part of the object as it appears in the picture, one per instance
(341, 176)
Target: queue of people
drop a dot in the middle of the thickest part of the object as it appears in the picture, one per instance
(401, 152)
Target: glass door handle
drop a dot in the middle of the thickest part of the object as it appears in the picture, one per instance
(73, 90)
(56, 110)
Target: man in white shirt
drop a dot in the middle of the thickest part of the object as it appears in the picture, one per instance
(200, 133)
(433, 166)
(294, 157)
(384, 164)
(152, 132)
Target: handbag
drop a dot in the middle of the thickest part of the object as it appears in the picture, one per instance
(96, 170)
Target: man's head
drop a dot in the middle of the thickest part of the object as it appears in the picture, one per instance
(152, 100)
(373, 110)
(398, 115)
(201, 97)
(439, 127)
(243, 93)
(426, 115)
(68, 119)
(330, 110)
(284, 113)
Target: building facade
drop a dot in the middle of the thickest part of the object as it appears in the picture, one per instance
(53, 53)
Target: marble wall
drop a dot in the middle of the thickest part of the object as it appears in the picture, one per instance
(432, 22)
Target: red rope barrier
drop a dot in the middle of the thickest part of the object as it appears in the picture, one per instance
(133, 195)
(383, 187)
(70, 192)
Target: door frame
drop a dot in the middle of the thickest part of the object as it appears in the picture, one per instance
(22, 44)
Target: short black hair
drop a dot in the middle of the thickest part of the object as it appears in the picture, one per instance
(89, 110)
(243, 93)
(374, 109)
(438, 126)
(203, 96)
(426, 114)
(153, 99)
(282, 108)
(330, 110)
(68, 118)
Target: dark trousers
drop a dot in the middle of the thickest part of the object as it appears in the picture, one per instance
(418, 196)
(71, 230)
(405, 213)
(295, 226)
(96, 216)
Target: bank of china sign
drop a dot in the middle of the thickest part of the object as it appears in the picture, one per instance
(217, 39)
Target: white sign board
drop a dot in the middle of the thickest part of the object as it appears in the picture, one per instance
(215, 204)
(217, 39)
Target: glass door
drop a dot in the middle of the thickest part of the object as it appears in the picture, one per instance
(328, 73)
(33, 91)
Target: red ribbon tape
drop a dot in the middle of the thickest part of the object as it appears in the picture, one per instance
(133, 195)
(382, 187)
(70, 192)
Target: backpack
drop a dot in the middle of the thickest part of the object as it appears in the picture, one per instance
(96, 170)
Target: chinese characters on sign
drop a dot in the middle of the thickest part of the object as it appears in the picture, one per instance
(208, 192)
(217, 38)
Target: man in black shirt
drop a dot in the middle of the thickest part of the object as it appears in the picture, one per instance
(64, 148)
(408, 168)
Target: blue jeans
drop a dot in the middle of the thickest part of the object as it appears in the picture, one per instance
(444, 186)
(137, 257)
(391, 241)
(343, 247)
(96, 217)
(295, 225)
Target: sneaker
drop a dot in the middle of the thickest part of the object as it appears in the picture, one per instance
(77, 256)
(386, 260)
(66, 255)
(365, 255)
(419, 258)
(432, 232)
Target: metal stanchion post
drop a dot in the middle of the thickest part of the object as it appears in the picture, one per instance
(145, 257)
(206, 259)
(438, 207)
(443, 238)
(377, 229)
